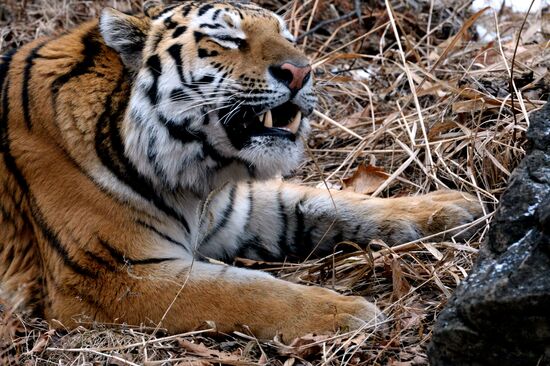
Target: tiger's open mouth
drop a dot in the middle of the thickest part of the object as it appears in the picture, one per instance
(282, 121)
(286, 116)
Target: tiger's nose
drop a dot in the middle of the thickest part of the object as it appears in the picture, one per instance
(294, 77)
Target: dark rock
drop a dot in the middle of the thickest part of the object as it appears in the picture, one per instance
(500, 315)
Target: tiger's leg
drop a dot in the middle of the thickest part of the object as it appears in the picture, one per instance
(183, 295)
(275, 220)
(21, 282)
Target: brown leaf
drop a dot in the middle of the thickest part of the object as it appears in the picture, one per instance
(471, 105)
(412, 318)
(194, 363)
(304, 346)
(400, 284)
(400, 363)
(440, 128)
(42, 342)
(201, 350)
(366, 179)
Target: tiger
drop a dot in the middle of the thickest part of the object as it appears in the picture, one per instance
(142, 154)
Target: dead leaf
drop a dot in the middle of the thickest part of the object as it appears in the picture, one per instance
(305, 346)
(290, 362)
(194, 363)
(42, 342)
(401, 286)
(400, 363)
(440, 128)
(472, 105)
(201, 350)
(412, 318)
(366, 179)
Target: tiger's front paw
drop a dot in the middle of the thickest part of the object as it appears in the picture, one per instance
(443, 210)
(327, 312)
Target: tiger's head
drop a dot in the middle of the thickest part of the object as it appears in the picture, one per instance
(219, 87)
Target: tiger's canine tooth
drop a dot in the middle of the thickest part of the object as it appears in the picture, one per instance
(268, 120)
(261, 117)
(293, 127)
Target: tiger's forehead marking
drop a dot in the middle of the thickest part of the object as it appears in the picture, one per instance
(219, 17)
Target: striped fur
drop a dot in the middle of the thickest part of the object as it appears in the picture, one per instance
(131, 151)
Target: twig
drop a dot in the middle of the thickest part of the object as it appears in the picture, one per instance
(511, 85)
(323, 24)
(89, 350)
(339, 125)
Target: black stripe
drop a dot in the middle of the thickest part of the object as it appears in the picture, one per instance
(165, 10)
(152, 157)
(169, 23)
(110, 150)
(72, 292)
(175, 52)
(185, 10)
(179, 31)
(241, 239)
(198, 36)
(6, 216)
(216, 14)
(300, 225)
(146, 261)
(260, 91)
(29, 63)
(156, 38)
(91, 49)
(225, 216)
(54, 241)
(211, 152)
(303, 240)
(250, 198)
(177, 94)
(123, 260)
(4, 91)
(4, 137)
(355, 234)
(204, 53)
(180, 132)
(306, 247)
(254, 247)
(203, 9)
(282, 241)
(206, 79)
(161, 234)
(5, 65)
(227, 38)
(211, 26)
(193, 86)
(101, 261)
(338, 238)
(155, 67)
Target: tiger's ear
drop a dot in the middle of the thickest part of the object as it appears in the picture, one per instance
(126, 34)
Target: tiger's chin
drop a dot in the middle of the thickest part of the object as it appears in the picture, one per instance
(276, 154)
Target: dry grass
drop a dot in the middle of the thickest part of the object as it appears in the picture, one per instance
(409, 89)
